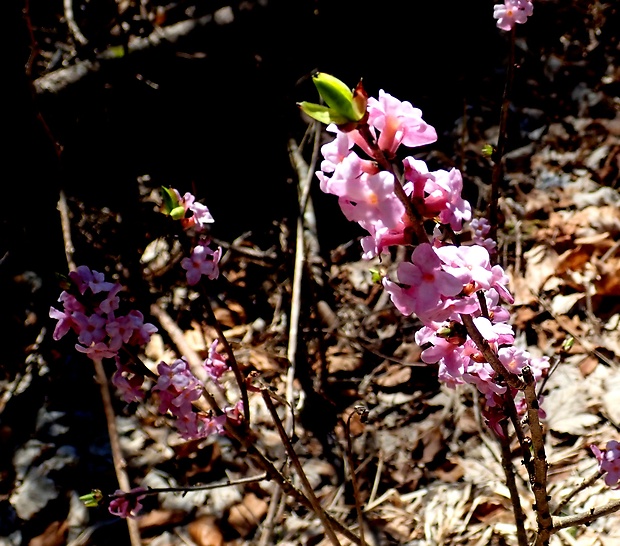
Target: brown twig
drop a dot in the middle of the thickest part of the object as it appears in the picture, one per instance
(232, 359)
(509, 473)
(490, 355)
(498, 168)
(115, 446)
(584, 519)
(314, 501)
(360, 410)
(249, 443)
(583, 485)
(540, 465)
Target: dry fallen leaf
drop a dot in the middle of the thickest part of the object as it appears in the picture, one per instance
(206, 532)
(246, 516)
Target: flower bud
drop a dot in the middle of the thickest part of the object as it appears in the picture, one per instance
(344, 106)
(92, 499)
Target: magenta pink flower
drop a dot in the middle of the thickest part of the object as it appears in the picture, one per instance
(84, 278)
(215, 364)
(96, 351)
(423, 285)
(444, 198)
(128, 383)
(514, 359)
(482, 228)
(203, 261)
(126, 505)
(609, 462)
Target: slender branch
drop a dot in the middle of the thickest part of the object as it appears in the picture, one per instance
(585, 518)
(73, 26)
(115, 446)
(185, 489)
(232, 360)
(305, 173)
(509, 472)
(490, 355)
(539, 484)
(316, 505)
(583, 485)
(249, 443)
(360, 410)
(498, 155)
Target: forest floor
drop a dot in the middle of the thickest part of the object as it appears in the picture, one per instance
(429, 471)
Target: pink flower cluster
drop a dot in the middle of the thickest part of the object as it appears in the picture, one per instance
(178, 388)
(203, 260)
(441, 282)
(197, 215)
(511, 12)
(609, 462)
(90, 310)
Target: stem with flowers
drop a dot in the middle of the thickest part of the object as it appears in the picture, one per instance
(459, 296)
(453, 288)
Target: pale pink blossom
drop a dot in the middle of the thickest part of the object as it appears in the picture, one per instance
(372, 198)
(203, 261)
(399, 123)
(511, 12)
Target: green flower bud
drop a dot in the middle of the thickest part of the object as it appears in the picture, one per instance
(488, 150)
(170, 201)
(92, 499)
(322, 113)
(344, 106)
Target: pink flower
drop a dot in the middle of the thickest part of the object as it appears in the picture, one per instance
(96, 351)
(64, 324)
(335, 152)
(422, 284)
(215, 364)
(609, 462)
(469, 264)
(203, 261)
(142, 331)
(197, 215)
(399, 123)
(372, 198)
(481, 228)
(444, 198)
(513, 359)
(126, 505)
(511, 12)
(128, 383)
(90, 329)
